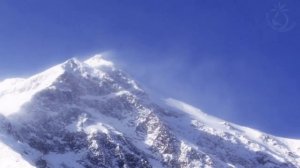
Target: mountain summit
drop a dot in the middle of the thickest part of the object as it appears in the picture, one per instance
(90, 114)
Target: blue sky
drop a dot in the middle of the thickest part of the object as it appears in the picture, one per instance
(238, 60)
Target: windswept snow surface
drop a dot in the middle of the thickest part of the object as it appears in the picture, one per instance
(252, 139)
(90, 114)
(97, 61)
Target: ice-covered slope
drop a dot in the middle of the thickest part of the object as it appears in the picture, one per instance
(91, 114)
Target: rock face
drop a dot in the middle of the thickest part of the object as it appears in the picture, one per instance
(91, 115)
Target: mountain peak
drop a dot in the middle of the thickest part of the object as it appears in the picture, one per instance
(98, 61)
(89, 114)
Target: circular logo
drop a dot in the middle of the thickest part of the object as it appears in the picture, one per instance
(278, 19)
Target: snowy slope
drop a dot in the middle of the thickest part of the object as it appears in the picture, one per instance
(280, 148)
(91, 114)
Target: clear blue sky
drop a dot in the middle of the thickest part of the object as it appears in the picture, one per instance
(238, 60)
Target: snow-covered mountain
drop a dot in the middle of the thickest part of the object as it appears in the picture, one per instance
(92, 115)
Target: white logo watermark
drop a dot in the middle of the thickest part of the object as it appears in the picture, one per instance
(278, 18)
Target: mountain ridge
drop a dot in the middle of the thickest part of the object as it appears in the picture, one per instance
(91, 114)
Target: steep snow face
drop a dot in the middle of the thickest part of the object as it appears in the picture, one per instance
(90, 114)
(16, 92)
